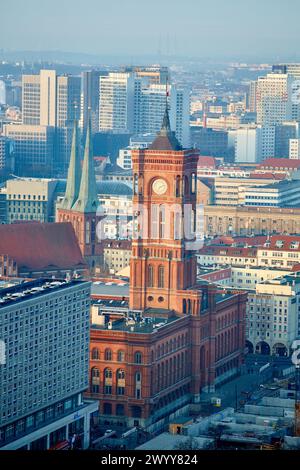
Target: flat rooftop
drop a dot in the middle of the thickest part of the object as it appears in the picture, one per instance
(144, 325)
(110, 288)
(33, 289)
(107, 303)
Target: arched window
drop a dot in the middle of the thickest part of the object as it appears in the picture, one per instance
(120, 374)
(108, 381)
(177, 186)
(95, 373)
(177, 225)
(121, 356)
(154, 224)
(87, 232)
(138, 385)
(95, 354)
(108, 355)
(162, 221)
(135, 183)
(161, 277)
(108, 374)
(193, 183)
(138, 357)
(120, 382)
(150, 276)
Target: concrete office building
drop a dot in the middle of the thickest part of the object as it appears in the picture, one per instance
(152, 108)
(50, 100)
(34, 148)
(30, 199)
(273, 316)
(210, 142)
(6, 155)
(274, 99)
(251, 105)
(248, 220)
(117, 102)
(294, 149)
(45, 328)
(230, 191)
(284, 193)
(283, 134)
(151, 74)
(293, 70)
(90, 98)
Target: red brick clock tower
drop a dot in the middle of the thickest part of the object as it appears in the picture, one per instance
(163, 271)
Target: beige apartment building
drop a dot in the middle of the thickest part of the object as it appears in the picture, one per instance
(29, 199)
(241, 220)
(231, 191)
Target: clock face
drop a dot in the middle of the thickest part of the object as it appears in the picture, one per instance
(159, 186)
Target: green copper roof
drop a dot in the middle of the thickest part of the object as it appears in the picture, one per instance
(73, 181)
(87, 201)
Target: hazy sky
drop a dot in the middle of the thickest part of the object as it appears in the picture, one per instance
(200, 28)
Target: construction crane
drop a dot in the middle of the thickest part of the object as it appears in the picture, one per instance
(297, 401)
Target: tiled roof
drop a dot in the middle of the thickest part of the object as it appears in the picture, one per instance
(267, 175)
(283, 242)
(284, 163)
(40, 247)
(206, 162)
(228, 251)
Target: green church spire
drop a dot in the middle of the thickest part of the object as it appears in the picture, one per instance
(73, 181)
(87, 201)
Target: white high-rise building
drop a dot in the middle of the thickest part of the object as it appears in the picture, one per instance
(152, 109)
(117, 102)
(49, 99)
(294, 153)
(254, 143)
(2, 92)
(274, 99)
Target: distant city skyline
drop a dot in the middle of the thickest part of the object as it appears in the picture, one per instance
(171, 28)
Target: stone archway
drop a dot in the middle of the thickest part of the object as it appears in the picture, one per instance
(280, 349)
(249, 347)
(263, 348)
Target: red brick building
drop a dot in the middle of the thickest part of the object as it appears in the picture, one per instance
(175, 338)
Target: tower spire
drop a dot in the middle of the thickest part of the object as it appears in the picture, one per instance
(87, 201)
(166, 138)
(73, 181)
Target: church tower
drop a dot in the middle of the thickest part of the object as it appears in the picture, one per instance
(163, 270)
(80, 203)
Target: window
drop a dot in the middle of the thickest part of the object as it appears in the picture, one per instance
(161, 276)
(95, 354)
(162, 221)
(120, 410)
(108, 355)
(107, 409)
(150, 276)
(121, 356)
(108, 373)
(138, 357)
(136, 180)
(177, 188)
